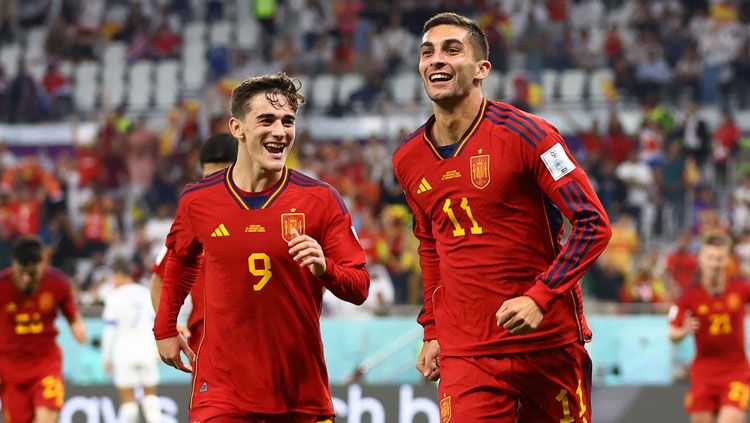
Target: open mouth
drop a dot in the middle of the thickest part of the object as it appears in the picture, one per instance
(440, 77)
(275, 147)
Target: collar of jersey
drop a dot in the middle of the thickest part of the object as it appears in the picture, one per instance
(464, 138)
(255, 201)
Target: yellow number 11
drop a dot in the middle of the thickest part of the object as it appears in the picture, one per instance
(458, 230)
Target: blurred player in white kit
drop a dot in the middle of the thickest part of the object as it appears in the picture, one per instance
(128, 346)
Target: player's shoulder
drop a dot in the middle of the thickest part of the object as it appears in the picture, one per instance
(204, 186)
(409, 142)
(530, 128)
(56, 276)
(315, 188)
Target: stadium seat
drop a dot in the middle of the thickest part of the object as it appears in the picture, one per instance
(194, 66)
(85, 91)
(248, 34)
(195, 33)
(572, 85)
(348, 84)
(113, 74)
(323, 91)
(34, 50)
(115, 53)
(306, 88)
(599, 78)
(404, 88)
(167, 84)
(9, 56)
(220, 33)
(139, 85)
(550, 86)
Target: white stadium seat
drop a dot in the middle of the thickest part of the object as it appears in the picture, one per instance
(167, 84)
(322, 92)
(491, 85)
(139, 85)
(404, 87)
(549, 86)
(86, 85)
(9, 55)
(220, 34)
(572, 84)
(348, 84)
(598, 80)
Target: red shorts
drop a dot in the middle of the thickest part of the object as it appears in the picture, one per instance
(551, 385)
(711, 396)
(40, 385)
(225, 417)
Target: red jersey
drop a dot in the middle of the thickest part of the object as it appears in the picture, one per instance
(720, 340)
(261, 350)
(28, 329)
(488, 214)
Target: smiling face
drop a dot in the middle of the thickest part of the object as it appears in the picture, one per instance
(448, 64)
(266, 132)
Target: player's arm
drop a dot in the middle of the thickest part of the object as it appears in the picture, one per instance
(548, 161)
(73, 316)
(681, 322)
(179, 275)
(108, 334)
(338, 260)
(427, 361)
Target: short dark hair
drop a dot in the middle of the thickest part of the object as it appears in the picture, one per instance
(28, 250)
(477, 37)
(219, 148)
(272, 85)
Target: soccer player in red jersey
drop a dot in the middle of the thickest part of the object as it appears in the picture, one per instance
(31, 293)
(272, 240)
(217, 153)
(714, 312)
(489, 184)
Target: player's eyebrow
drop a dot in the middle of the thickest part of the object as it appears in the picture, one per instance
(445, 43)
(272, 116)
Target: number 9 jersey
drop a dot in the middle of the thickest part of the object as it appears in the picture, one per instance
(488, 214)
(261, 350)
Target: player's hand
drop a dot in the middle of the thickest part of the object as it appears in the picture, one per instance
(184, 331)
(428, 362)
(519, 315)
(690, 324)
(169, 351)
(107, 366)
(78, 328)
(307, 252)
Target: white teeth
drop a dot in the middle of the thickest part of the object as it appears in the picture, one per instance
(440, 77)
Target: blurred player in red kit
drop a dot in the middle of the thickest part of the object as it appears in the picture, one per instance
(489, 185)
(714, 312)
(217, 153)
(272, 239)
(31, 293)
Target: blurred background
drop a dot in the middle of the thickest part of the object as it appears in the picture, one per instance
(104, 104)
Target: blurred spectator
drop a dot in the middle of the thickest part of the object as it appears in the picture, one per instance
(741, 210)
(682, 264)
(695, 133)
(644, 288)
(8, 20)
(687, 74)
(58, 90)
(606, 280)
(265, 13)
(165, 43)
(613, 44)
(23, 95)
(742, 252)
(724, 144)
(672, 182)
(397, 251)
(741, 74)
(639, 180)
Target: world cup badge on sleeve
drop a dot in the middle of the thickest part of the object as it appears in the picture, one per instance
(291, 221)
(445, 409)
(480, 171)
(46, 301)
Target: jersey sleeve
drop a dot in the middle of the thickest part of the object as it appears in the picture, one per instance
(346, 274)
(676, 315)
(160, 262)
(564, 182)
(429, 263)
(180, 272)
(67, 302)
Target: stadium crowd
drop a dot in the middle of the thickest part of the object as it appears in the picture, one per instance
(663, 185)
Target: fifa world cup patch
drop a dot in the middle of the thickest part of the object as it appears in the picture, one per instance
(445, 409)
(557, 161)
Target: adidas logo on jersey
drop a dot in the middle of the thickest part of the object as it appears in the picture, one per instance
(220, 231)
(424, 186)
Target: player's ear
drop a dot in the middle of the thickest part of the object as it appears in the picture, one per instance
(483, 69)
(235, 127)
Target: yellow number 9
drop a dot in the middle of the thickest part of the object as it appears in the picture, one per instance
(264, 273)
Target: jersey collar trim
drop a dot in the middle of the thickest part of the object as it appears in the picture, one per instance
(464, 138)
(247, 204)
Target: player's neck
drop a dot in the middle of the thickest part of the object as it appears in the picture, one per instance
(715, 288)
(454, 118)
(249, 176)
